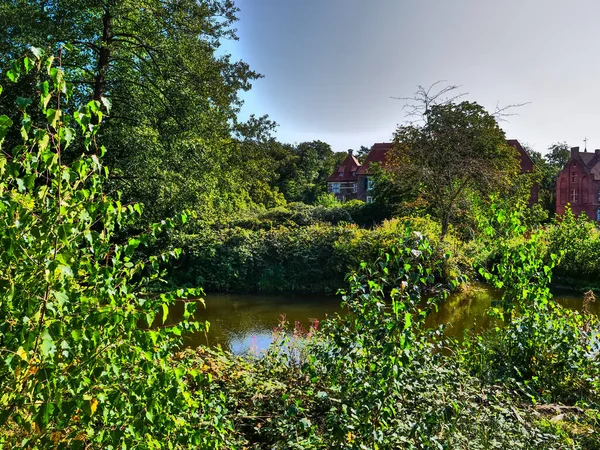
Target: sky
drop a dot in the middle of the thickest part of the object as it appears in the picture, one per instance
(332, 67)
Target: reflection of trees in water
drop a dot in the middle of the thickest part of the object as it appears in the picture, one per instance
(242, 322)
(468, 310)
(465, 310)
(245, 322)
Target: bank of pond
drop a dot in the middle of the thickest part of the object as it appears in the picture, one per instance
(244, 323)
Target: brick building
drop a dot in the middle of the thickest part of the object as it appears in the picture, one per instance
(342, 182)
(578, 184)
(351, 179)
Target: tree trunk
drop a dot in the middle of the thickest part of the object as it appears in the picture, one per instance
(103, 55)
(445, 225)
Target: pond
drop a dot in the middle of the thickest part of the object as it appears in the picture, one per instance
(245, 322)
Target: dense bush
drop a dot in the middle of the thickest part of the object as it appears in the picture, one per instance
(301, 214)
(579, 239)
(313, 258)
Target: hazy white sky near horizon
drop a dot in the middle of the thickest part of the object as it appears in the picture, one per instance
(332, 66)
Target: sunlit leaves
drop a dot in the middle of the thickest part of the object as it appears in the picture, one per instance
(70, 293)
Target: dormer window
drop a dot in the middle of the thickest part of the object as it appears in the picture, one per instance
(353, 172)
(341, 174)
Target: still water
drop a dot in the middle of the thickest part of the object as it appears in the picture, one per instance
(245, 322)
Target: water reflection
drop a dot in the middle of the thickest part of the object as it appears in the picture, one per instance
(244, 322)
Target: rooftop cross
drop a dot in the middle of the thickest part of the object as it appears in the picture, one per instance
(585, 140)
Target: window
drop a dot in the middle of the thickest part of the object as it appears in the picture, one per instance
(369, 199)
(599, 196)
(370, 183)
(574, 196)
(335, 188)
(355, 187)
(353, 172)
(341, 174)
(573, 177)
(598, 215)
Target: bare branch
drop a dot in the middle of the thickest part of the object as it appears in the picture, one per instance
(501, 114)
(424, 98)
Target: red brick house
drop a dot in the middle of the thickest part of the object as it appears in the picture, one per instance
(578, 184)
(342, 182)
(351, 180)
(377, 156)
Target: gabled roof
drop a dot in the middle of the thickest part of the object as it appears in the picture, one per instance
(376, 155)
(347, 169)
(527, 164)
(587, 157)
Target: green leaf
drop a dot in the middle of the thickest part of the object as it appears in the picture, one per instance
(61, 297)
(53, 116)
(43, 416)
(106, 103)
(28, 64)
(23, 103)
(67, 135)
(165, 309)
(47, 348)
(37, 52)
(407, 320)
(5, 124)
(12, 76)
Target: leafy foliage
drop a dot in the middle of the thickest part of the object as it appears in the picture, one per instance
(172, 134)
(283, 258)
(460, 149)
(376, 377)
(86, 357)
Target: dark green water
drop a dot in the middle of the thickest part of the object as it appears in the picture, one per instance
(244, 322)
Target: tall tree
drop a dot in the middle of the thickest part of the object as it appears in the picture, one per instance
(172, 130)
(558, 155)
(459, 150)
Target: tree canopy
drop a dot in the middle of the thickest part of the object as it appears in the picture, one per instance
(173, 130)
(460, 149)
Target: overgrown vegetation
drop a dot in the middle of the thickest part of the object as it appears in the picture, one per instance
(376, 377)
(88, 357)
(310, 258)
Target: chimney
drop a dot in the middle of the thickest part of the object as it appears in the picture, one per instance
(350, 151)
(574, 151)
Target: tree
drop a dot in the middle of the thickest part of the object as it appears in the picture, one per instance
(361, 153)
(548, 167)
(558, 156)
(173, 129)
(460, 149)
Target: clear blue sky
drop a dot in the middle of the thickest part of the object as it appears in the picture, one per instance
(332, 66)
